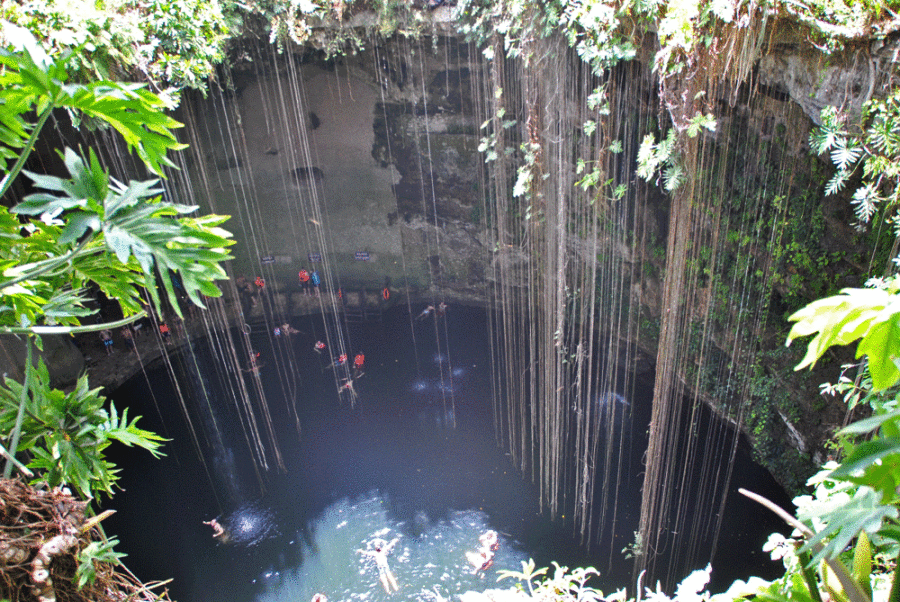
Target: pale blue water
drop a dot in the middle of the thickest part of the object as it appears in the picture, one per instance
(431, 561)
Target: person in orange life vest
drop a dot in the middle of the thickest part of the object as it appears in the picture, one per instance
(358, 362)
(303, 276)
(319, 347)
(341, 360)
(164, 331)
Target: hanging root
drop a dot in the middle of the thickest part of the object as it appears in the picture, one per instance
(40, 566)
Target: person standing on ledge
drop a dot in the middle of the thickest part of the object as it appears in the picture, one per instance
(303, 276)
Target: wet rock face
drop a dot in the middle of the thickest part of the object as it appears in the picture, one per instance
(432, 142)
(814, 80)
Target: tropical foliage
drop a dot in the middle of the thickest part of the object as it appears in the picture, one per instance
(79, 233)
(66, 434)
(169, 42)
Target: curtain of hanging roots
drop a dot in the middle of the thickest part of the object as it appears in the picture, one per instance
(559, 277)
(567, 291)
(566, 268)
(724, 222)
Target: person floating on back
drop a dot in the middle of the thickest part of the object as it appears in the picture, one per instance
(379, 553)
(425, 312)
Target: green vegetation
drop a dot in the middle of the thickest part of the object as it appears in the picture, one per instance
(168, 42)
(75, 234)
(88, 230)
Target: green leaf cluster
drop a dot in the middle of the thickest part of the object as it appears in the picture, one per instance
(84, 220)
(96, 551)
(869, 156)
(168, 42)
(31, 81)
(89, 218)
(66, 434)
(870, 315)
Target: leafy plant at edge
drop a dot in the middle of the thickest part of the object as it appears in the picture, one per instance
(84, 230)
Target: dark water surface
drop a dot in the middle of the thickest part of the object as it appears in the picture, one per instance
(393, 466)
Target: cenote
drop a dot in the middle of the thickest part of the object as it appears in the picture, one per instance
(416, 458)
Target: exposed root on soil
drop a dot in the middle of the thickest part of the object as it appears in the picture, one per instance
(41, 533)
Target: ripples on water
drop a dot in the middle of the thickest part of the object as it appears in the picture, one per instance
(249, 525)
(429, 562)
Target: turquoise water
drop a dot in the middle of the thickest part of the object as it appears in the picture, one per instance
(427, 564)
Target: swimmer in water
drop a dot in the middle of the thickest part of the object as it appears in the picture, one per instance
(384, 571)
(347, 385)
(483, 559)
(218, 530)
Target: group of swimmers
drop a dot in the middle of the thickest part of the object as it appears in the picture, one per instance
(480, 560)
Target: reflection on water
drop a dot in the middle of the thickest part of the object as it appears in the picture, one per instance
(611, 397)
(428, 558)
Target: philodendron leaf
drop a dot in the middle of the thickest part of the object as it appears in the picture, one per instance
(869, 314)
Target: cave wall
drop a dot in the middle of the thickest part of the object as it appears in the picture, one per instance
(384, 172)
(386, 147)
